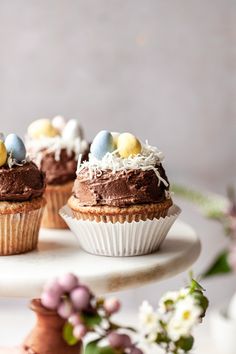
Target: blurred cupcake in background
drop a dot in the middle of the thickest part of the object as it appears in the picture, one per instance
(21, 198)
(55, 146)
(121, 203)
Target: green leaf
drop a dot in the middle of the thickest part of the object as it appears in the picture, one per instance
(219, 266)
(194, 285)
(185, 343)
(68, 334)
(162, 338)
(92, 320)
(202, 301)
(115, 326)
(93, 348)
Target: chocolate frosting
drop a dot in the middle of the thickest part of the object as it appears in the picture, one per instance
(61, 171)
(21, 183)
(120, 189)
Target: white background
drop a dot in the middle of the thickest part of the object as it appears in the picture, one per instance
(162, 69)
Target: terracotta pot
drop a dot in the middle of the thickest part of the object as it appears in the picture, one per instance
(46, 336)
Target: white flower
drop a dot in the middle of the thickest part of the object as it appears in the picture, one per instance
(184, 292)
(167, 301)
(186, 315)
(149, 320)
(151, 337)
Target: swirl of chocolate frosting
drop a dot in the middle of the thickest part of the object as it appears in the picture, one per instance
(59, 171)
(120, 189)
(21, 183)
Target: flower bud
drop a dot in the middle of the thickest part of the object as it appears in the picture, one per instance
(79, 331)
(80, 298)
(111, 305)
(119, 341)
(50, 301)
(68, 282)
(65, 309)
(135, 350)
(75, 319)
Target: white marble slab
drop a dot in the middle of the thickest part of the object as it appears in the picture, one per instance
(59, 252)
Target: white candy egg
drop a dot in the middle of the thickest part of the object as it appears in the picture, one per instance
(59, 123)
(72, 130)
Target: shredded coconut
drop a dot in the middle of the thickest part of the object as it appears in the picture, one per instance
(149, 158)
(13, 162)
(36, 147)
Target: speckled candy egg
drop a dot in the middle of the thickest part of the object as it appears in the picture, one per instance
(2, 137)
(15, 147)
(128, 145)
(72, 130)
(102, 143)
(3, 153)
(42, 128)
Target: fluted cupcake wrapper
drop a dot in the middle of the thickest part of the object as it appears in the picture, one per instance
(56, 196)
(121, 239)
(19, 232)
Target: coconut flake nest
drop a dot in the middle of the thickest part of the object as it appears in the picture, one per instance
(149, 159)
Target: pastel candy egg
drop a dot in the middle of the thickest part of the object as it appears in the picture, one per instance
(128, 145)
(59, 123)
(102, 143)
(3, 153)
(42, 128)
(72, 130)
(115, 136)
(2, 137)
(15, 147)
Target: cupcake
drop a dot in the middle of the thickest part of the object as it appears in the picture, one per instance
(55, 145)
(21, 198)
(121, 197)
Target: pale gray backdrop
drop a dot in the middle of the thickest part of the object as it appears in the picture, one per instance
(163, 69)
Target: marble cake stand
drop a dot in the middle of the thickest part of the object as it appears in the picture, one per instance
(59, 252)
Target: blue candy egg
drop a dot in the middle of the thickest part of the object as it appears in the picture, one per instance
(15, 147)
(102, 143)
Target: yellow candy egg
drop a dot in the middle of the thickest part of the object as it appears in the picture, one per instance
(42, 128)
(3, 153)
(128, 145)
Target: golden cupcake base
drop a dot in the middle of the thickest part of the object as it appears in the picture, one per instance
(121, 215)
(56, 196)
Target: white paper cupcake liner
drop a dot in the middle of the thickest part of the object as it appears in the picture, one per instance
(120, 240)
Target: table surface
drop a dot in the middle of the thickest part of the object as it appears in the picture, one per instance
(59, 252)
